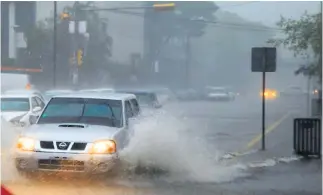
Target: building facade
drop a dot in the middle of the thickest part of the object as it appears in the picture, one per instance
(16, 18)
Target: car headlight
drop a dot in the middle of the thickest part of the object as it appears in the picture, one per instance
(104, 147)
(26, 144)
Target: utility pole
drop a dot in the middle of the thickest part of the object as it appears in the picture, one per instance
(187, 60)
(54, 44)
(73, 29)
(321, 5)
(153, 53)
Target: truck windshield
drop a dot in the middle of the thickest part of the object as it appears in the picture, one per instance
(80, 110)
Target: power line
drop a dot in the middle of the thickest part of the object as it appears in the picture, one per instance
(212, 23)
(239, 4)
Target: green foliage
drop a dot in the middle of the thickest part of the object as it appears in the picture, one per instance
(303, 37)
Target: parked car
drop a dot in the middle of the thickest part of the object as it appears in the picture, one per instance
(145, 98)
(219, 94)
(26, 91)
(18, 108)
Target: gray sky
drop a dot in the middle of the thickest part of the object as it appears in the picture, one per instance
(268, 12)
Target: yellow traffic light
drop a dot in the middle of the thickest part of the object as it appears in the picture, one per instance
(64, 16)
(164, 6)
(79, 57)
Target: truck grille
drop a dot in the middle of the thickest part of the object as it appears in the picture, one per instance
(76, 146)
(61, 165)
(47, 145)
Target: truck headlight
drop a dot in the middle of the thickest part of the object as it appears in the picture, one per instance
(26, 144)
(104, 147)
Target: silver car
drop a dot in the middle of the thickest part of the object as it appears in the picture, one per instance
(81, 133)
(219, 93)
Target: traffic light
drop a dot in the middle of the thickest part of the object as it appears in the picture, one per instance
(64, 16)
(164, 6)
(79, 57)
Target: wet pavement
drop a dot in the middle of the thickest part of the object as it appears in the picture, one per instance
(224, 128)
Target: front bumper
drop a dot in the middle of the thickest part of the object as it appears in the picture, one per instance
(65, 162)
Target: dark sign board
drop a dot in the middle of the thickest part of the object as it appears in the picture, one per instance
(263, 59)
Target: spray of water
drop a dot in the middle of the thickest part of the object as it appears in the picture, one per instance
(164, 142)
(9, 134)
(161, 142)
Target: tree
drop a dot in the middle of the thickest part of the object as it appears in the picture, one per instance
(175, 27)
(303, 37)
(40, 48)
(223, 52)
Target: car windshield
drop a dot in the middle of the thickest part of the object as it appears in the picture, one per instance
(80, 110)
(15, 105)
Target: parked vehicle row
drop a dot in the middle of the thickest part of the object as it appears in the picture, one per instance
(18, 105)
(209, 93)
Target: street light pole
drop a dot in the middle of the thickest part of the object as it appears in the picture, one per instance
(187, 61)
(54, 44)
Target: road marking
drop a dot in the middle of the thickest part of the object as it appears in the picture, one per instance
(272, 127)
(254, 141)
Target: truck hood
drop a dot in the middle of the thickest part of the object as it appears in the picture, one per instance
(53, 132)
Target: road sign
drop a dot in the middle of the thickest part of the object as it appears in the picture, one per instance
(263, 59)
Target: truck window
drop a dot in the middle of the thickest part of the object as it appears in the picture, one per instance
(135, 107)
(129, 112)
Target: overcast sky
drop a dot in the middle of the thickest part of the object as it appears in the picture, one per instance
(268, 12)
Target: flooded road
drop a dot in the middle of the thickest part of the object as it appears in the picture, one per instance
(184, 149)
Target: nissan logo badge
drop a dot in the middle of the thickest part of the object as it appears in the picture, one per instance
(62, 145)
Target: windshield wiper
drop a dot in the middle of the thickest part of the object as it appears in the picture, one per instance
(82, 114)
(113, 116)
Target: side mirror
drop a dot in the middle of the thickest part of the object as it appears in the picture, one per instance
(33, 119)
(37, 109)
